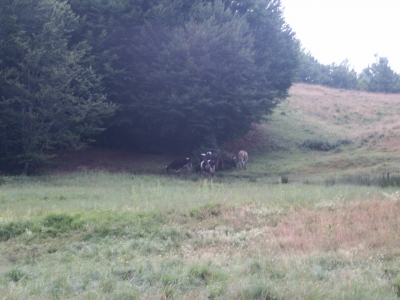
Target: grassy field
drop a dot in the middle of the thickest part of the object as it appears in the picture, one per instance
(314, 217)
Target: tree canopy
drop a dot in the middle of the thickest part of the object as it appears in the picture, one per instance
(178, 74)
(49, 100)
(378, 77)
(188, 73)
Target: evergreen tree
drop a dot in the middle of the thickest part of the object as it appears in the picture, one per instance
(51, 100)
(342, 76)
(380, 77)
(191, 85)
(312, 71)
(193, 73)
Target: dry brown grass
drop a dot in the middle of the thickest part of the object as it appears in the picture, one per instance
(360, 229)
(355, 114)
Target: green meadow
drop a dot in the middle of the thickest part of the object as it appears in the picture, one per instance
(316, 215)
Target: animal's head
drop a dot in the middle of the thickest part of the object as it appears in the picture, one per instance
(166, 168)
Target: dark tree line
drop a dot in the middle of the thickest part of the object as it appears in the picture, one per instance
(378, 77)
(49, 98)
(186, 73)
(154, 75)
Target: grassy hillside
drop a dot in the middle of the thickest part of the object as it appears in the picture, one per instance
(348, 132)
(112, 225)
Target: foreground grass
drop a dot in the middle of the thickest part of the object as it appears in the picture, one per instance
(118, 236)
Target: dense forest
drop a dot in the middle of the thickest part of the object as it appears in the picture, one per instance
(157, 76)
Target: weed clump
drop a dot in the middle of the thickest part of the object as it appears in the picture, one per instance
(15, 275)
(284, 179)
(320, 144)
(13, 229)
(365, 180)
(396, 285)
(207, 211)
(51, 225)
(62, 222)
(256, 291)
(387, 181)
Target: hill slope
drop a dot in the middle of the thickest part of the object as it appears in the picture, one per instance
(316, 132)
(322, 130)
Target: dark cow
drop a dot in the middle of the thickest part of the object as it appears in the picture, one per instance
(211, 167)
(180, 163)
(219, 162)
(207, 166)
(224, 161)
(206, 156)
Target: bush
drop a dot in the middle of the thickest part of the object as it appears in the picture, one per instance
(284, 179)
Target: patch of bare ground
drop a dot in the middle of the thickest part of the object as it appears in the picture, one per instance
(360, 229)
(104, 160)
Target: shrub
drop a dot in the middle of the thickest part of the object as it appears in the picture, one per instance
(13, 229)
(62, 222)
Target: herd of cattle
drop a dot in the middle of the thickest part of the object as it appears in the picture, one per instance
(209, 162)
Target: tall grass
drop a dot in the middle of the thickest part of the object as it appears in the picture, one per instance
(119, 236)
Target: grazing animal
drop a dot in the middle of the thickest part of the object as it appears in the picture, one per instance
(211, 168)
(220, 162)
(207, 163)
(180, 163)
(207, 166)
(224, 161)
(242, 157)
(206, 156)
(198, 168)
(204, 166)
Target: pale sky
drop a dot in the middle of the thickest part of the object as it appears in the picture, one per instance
(333, 30)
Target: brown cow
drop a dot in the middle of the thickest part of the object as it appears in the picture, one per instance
(242, 158)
